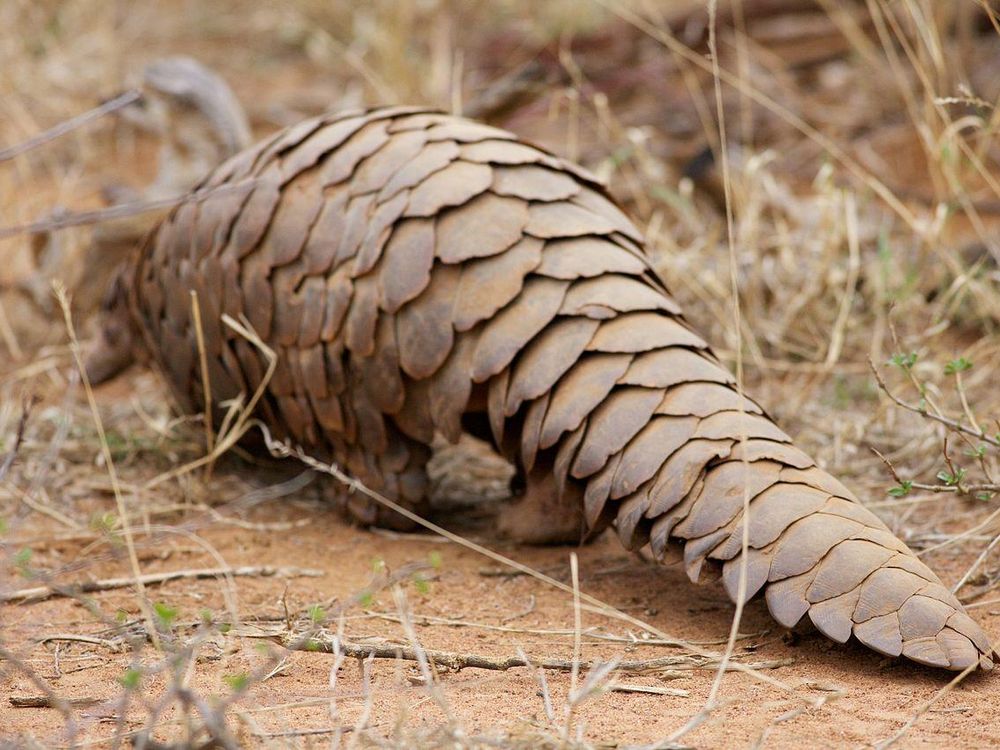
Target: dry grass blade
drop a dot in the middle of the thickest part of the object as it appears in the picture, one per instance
(121, 211)
(112, 105)
(123, 511)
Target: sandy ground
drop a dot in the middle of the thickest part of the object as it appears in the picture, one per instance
(463, 603)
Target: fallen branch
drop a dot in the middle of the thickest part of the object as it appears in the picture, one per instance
(650, 689)
(44, 701)
(40, 593)
(456, 661)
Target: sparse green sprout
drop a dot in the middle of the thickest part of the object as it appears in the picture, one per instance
(103, 523)
(421, 584)
(984, 496)
(317, 614)
(957, 365)
(131, 679)
(121, 616)
(225, 627)
(165, 614)
(3, 526)
(21, 560)
(435, 559)
(902, 489)
(904, 361)
(312, 645)
(978, 452)
(206, 616)
(952, 480)
(884, 248)
(366, 599)
(237, 682)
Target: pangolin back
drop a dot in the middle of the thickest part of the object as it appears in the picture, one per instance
(417, 273)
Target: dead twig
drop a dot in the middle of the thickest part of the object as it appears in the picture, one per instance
(44, 701)
(949, 423)
(22, 424)
(650, 689)
(456, 661)
(40, 593)
(957, 488)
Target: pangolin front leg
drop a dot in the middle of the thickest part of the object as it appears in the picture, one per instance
(415, 272)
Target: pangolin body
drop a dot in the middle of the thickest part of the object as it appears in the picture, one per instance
(417, 273)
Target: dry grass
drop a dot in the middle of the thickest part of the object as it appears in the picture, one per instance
(859, 159)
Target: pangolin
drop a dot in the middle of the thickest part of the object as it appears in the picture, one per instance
(419, 274)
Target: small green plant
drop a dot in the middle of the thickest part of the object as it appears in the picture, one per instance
(317, 615)
(237, 682)
(103, 523)
(165, 614)
(131, 679)
(957, 365)
(421, 584)
(22, 560)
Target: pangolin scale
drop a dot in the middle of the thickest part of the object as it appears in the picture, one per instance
(418, 273)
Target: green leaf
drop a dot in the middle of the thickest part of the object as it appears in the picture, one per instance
(103, 523)
(237, 682)
(435, 559)
(904, 361)
(902, 489)
(951, 479)
(957, 365)
(978, 452)
(165, 614)
(131, 679)
(21, 560)
(317, 614)
(421, 584)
